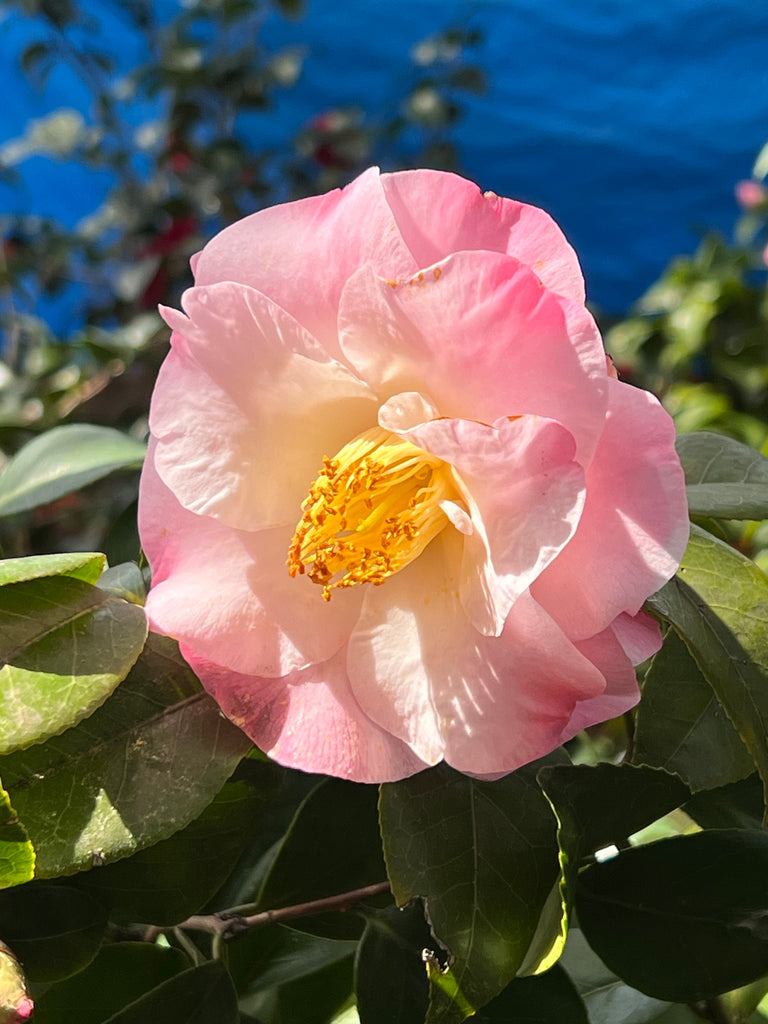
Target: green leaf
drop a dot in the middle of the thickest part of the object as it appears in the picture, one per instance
(725, 479)
(391, 982)
(738, 805)
(342, 858)
(125, 581)
(718, 603)
(86, 566)
(62, 460)
(64, 647)
(17, 855)
(682, 919)
(602, 805)
(483, 855)
(197, 996)
(121, 973)
(547, 999)
(681, 725)
(141, 767)
(172, 879)
(52, 929)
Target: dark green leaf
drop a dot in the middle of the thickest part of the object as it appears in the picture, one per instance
(391, 981)
(53, 930)
(718, 603)
(547, 999)
(308, 998)
(738, 805)
(483, 855)
(17, 855)
(681, 725)
(682, 919)
(64, 647)
(724, 478)
(200, 995)
(141, 767)
(64, 459)
(602, 806)
(121, 973)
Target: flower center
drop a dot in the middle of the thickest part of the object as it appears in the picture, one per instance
(371, 511)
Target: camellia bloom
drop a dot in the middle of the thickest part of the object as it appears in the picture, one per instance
(397, 506)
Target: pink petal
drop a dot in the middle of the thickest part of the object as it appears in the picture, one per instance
(301, 253)
(639, 636)
(245, 407)
(634, 527)
(486, 704)
(482, 336)
(438, 214)
(309, 720)
(227, 593)
(621, 690)
(525, 495)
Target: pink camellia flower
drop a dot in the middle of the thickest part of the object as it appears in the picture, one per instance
(398, 507)
(750, 194)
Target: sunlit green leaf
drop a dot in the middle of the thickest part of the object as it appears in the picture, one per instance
(64, 459)
(86, 566)
(64, 647)
(139, 768)
(17, 855)
(725, 479)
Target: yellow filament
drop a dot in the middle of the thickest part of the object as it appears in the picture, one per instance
(374, 507)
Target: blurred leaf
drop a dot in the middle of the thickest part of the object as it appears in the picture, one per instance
(682, 919)
(391, 980)
(121, 973)
(483, 856)
(125, 581)
(197, 996)
(85, 566)
(64, 459)
(15, 1004)
(681, 725)
(724, 478)
(341, 858)
(172, 879)
(602, 805)
(17, 855)
(64, 647)
(141, 767)
(53, 930)
(718, 603)
(547, 999)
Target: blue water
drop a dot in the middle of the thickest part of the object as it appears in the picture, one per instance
(629, 122)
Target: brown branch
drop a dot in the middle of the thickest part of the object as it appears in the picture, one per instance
(229, 924)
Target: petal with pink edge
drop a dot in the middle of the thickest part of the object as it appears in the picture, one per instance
(634, 527)
(227, 593)
(439, 213)
(245, 407)
(621, 690)
(309, 720)
(481, 335)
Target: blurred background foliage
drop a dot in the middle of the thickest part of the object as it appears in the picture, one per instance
(178, 136)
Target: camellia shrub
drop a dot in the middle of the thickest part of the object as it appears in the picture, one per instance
(361, 737)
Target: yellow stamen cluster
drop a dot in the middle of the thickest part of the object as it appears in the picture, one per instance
(373, 508)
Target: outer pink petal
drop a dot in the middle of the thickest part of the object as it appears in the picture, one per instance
(309, 720)
(621, 691)
(245, 407)
(639, 636)
(486, 704)
(439, 213)
(227, 593)
(483, 338)
(300, 254)
(634, 527)
(525, 495)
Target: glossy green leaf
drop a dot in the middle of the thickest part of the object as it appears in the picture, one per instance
(176, 877)
(200, 995)
(602, 805)
(547, 999)
(718, 603)
(141, 767)
(725, 479)
(390, 977)
(682, 726)
(682, 919)
(64, 459)
(54, 930)
(483, 855)
(86, 566)
(335, 830)
(121, 973)
(64, 647)
(17, 855)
